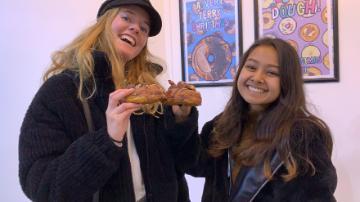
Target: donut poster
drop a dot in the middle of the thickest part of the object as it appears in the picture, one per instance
(210, 41)
(310, 26)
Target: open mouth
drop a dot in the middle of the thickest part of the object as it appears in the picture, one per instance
(256, 89)
(128, 39)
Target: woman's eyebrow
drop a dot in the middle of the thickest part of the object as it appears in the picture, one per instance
(257, 62)
(273, 65)
(252, 60)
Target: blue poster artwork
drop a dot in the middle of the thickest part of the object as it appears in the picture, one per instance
(210, 36)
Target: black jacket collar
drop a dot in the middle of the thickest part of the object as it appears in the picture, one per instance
(102, 67)
(103, 80)
(251, 180)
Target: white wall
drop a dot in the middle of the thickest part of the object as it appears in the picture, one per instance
(32, 29)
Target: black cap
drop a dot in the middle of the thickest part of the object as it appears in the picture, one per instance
(155, 18)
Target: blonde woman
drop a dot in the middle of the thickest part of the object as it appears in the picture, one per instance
(122, 156)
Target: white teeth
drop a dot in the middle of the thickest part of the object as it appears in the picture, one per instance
(128, 39)
(256, 90)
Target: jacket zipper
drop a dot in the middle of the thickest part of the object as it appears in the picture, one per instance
(263, 185)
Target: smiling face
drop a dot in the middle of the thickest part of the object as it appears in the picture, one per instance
(259, 79)
(130, 29)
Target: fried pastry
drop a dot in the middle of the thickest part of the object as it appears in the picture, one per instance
(182, 94)
(146, 94)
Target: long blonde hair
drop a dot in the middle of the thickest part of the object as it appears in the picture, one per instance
(77, 56)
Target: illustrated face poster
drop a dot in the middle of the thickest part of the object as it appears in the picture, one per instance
(308, 26)
(210, 41)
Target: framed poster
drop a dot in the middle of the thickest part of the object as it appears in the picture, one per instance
(211, 41)
(310, 26)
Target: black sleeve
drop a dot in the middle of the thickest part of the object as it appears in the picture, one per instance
(56, 163)
(205, 163)
(182, 137)
(180, 133)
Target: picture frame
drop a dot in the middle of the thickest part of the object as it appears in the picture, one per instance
(211, 41)
(310, 26)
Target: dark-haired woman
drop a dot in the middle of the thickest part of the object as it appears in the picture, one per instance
(266, 146)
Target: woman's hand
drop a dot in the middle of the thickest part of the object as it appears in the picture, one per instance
(181, 112)
(118, 113)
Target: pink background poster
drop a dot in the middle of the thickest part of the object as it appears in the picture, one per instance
(308, 26)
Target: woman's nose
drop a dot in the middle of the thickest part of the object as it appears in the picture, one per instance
(134, 28)
(258, 77)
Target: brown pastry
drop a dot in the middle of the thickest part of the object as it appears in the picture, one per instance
(182, 94)
(146, 94)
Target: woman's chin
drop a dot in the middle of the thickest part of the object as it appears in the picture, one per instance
(126, 57)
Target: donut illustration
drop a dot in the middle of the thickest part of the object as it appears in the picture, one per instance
(267, 3)
(228, 5)
(325, 38)
(310, 55)
(310, 51)
(326, 61)
(312, 71)
(200, 31)
(230, 26)
(287, 26)
(324, 15)
(211, 58)
(309, 32)
(268, 22)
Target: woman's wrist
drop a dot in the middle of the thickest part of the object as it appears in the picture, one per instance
(181, 113)
(118, 143)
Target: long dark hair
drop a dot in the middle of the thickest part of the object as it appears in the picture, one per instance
(276, 125)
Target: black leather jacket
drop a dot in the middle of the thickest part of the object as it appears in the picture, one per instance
(252, 185)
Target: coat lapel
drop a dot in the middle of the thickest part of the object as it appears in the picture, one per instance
(251, 180)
